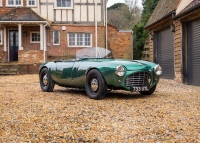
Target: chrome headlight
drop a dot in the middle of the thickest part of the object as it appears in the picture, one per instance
(158, 70)
(120, 70)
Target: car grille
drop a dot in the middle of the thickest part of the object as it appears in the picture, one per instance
(138, 79)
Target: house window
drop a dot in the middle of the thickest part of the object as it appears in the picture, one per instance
(87, 39)
(0, 37)
(63, 3)
(14, 2)
(56, 38)
(35, 37)
(80, 40)
(0, 2)
(31, 2)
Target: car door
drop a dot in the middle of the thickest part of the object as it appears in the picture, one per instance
(64, 70)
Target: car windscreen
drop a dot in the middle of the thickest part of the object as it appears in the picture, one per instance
(93, 52)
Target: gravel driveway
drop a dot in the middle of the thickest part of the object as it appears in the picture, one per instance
(171, 114)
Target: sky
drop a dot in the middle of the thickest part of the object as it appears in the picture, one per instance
(111, 2)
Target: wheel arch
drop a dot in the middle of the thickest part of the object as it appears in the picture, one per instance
(49, 69)
(43, 68)
(93, 68)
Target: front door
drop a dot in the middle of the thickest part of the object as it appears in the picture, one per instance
(13, 45)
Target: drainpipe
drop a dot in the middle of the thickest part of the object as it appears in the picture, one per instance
(106, 29)
(5, 42)
(20, 36)
(45, 42)
(96, 26)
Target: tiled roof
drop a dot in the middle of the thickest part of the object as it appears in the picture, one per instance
(21, 14)
(192, 6)
(163, 9)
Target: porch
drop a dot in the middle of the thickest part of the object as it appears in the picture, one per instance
(22, 36)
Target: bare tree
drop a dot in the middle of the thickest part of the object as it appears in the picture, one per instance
(125, 16)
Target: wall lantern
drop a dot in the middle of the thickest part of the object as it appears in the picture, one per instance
(25, 33)
(173, 28)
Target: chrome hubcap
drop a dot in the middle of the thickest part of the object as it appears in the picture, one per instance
(94, 84)
(45, 80)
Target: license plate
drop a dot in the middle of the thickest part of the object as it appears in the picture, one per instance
(141, 88)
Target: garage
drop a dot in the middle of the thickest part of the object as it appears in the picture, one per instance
(193, 53)
(164, 52)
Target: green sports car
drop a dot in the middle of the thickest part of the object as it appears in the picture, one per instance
(94, 71)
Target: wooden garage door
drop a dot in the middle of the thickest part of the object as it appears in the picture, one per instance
(193, 53)
(165, 52)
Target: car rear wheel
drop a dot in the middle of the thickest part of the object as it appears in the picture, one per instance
(151, 91)
(46, 82)
(95, 86)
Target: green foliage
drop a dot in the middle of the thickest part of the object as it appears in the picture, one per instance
(116, 6)
(148, 7)
(140, 33)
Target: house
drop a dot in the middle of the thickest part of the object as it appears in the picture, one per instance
(34, 31)
(174, 31)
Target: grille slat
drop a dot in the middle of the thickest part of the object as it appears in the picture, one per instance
(138, 79)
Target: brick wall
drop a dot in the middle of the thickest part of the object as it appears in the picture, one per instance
(151, 56)
(177, 43)
(26, 44)
(62, 51)
(3, 56)
(30, 56)
(120, 43)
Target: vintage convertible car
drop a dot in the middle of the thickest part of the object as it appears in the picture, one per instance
(98, 75)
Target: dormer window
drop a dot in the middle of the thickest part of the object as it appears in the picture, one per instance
(63, 3)
(14, 2)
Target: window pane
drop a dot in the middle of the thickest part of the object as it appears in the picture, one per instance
(63, 3)
(14, 2)
(71, 39)
(56, 37)
(18, 2)
(87, 39)
(10, 2)
(38, 36)
(80, 39)
(35, 37)
(58, 3)
(68, 3)
(31, 2)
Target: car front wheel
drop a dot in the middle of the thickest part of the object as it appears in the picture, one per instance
(46, 82)
(151, 91)
(95, 86)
